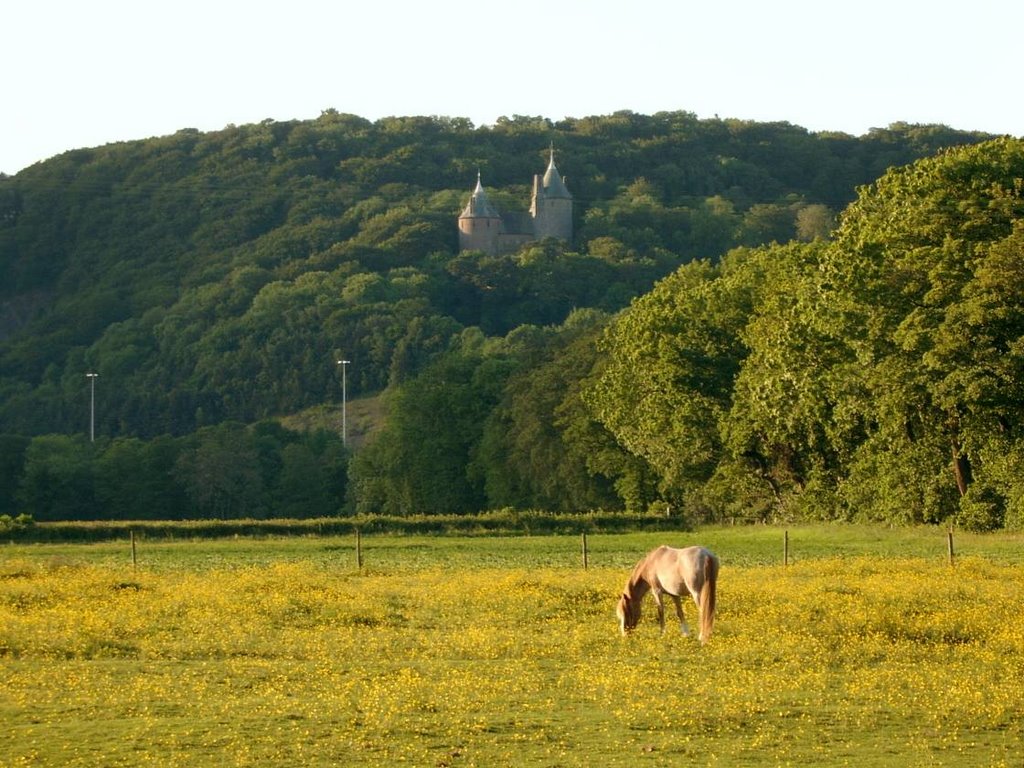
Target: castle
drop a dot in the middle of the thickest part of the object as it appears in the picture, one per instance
(483, 228)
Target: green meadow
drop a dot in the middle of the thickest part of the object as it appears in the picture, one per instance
(869, 649)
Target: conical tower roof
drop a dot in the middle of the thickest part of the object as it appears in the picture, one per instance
(479, 207)
(553, 184)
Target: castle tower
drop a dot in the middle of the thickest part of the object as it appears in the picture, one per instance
(480, 223)
(483, 228)
(551, 207)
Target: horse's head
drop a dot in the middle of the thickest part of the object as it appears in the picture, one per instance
(628, 611)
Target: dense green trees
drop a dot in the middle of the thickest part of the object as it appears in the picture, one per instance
(224, 471)
(874, 376)
(214, 279)
(672, 359)
(529, 455)
(419, 463)
(933, 315)
(210, 276)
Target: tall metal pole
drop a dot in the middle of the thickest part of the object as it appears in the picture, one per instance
(344, 402)
(92, 406)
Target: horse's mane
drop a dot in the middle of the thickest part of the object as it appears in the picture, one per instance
(638, 573)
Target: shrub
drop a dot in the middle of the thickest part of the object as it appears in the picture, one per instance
(13, 526)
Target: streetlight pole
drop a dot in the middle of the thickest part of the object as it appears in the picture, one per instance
(92, 406)
(344, 402)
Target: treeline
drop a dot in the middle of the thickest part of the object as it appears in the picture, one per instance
(227, 471)
(218, 276)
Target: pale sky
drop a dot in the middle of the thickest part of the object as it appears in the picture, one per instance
(81, 73)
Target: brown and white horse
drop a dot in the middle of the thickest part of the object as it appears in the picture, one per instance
(677, 573)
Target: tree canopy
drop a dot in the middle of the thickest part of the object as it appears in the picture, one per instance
(708, 341)
(874, 376)
(212, 276)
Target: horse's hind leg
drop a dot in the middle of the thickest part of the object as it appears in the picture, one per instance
(679, 613)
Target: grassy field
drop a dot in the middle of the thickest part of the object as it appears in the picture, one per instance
(869, 649)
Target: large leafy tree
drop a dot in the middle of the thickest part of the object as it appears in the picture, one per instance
(58, 483)
(134, 479)
(221, 473)
(925, 275)
(528, 458)
(784, 432)
(667, 381)
(420, 461)
(12, 465)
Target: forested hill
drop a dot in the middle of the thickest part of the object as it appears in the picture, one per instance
(216, 276)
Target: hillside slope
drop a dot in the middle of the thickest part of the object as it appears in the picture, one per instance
(215, 276)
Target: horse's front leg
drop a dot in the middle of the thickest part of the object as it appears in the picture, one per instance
(656, 594)
(679, 613)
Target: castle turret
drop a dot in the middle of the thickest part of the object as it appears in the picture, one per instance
(480, 223)
(551, 207)
(483, 228)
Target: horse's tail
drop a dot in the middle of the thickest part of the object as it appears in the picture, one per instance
(707, 598)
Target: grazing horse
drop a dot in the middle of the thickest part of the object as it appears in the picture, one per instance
(674, 572)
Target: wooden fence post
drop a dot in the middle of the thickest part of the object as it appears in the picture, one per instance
(584, 544)
(359, 550)
(135, 561)
(785, 547)
(949, 544)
